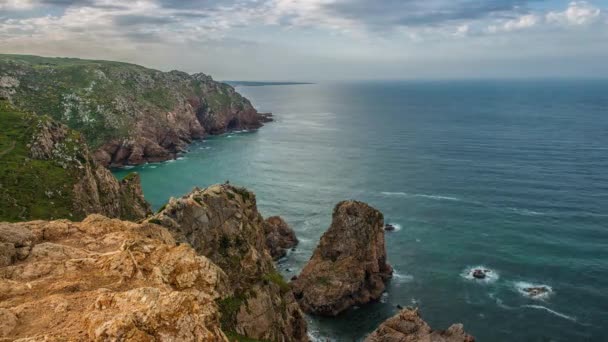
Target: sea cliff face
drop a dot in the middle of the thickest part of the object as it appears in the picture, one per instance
(128, 114)
(47, 172)
(222, 223)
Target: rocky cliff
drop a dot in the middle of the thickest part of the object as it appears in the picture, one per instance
(105, 280)
(408, 326)
(349, 266)
(47, 172)
(129, 114)
(222, 223)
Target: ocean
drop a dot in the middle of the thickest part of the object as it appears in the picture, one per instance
(511, 176)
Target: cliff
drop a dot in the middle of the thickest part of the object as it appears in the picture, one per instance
(128, 114)
(105, 280)
(349, 266)
(222, 223)
(47, 172)
(408, 326)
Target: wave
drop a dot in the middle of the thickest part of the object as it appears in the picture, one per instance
(521, 287)
(558, 314)
(402, 278)
(491, 275)
(526, 212)
(427, 196)
(397, 226)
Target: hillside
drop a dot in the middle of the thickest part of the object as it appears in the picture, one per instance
(47, 172)
(128, 114)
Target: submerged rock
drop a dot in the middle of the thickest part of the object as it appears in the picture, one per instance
(389, 227)
(222, 223)
(408, 326)
(349, 266)
(479, 274)
(105, 280)
(279, 237)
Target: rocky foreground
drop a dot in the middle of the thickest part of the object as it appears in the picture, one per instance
(349, 265)
(129, 114)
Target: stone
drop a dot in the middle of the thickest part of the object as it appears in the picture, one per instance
(349, 265)
(108, 280)
(408, 326)
(279, 237)
(222, 223)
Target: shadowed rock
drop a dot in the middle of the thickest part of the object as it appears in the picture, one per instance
(349, 266)
(279, 237)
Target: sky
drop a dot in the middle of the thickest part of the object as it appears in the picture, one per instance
(316, 40)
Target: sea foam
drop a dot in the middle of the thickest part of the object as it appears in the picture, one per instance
(491, 275)
(521, 287)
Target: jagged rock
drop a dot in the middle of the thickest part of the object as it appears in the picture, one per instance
(408, 326)
(348, 267)
(222, 223)
(279, 237)
(106, 280)
(49, 173)
(129, 114)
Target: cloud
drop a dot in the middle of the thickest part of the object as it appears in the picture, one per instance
(577, 13)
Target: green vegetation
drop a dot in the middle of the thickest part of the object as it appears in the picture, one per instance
(30, 188)
(234, 337)
(102, 99)
(155, 221)
(276, 278)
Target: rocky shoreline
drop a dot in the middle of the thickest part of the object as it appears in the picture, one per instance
(85, 259)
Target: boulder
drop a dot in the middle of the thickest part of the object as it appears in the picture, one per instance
(279, 237)
(408, 326)
(349, 266)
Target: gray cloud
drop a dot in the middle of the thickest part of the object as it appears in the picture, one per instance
(382, 13)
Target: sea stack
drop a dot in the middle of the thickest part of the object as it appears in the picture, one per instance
(349, 266)
(407, 325)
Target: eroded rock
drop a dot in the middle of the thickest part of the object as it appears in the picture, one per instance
(408, 326)
(349, 265)
(279, 237)
(222, 223)
(107, 280)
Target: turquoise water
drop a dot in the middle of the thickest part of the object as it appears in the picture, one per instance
(509, 175)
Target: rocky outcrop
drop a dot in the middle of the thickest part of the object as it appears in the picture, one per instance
(349, 266)
(105, 280)
(129, 114)
(408, 326)
(279, 237)
(49, 173)
(222, 223)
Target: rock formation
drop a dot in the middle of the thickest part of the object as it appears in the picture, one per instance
(128, 114)
(348, 267)
(105, 280)
(407, 326)
(222, 223)
(279, 237)
(47, 172)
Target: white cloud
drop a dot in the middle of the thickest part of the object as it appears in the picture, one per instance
(16, 4)
(577, 13)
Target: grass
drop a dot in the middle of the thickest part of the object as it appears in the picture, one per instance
(276, 278)
(30, 189)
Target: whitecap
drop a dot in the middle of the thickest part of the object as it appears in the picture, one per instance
(384, 298)
(427, 196)
(397, 227)
(521, 287)
(526, 212)
(401, 277)
(230, 136)
(152, 166)
(558, 314)
(170, 161)
(128, 167)
(491, 275)
(386, 193)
